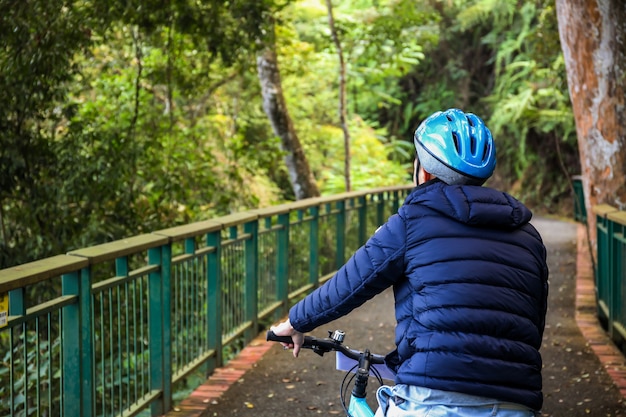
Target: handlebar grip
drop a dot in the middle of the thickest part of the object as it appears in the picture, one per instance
(271, 337)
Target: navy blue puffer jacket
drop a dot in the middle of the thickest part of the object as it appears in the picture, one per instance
(470, 283)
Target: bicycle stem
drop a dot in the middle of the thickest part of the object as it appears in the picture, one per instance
(362, 375)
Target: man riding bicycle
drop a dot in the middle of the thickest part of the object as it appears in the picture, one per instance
(470, 283)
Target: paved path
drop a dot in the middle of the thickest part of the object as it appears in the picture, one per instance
(584, 374)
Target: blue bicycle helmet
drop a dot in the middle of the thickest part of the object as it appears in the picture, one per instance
(456, 147)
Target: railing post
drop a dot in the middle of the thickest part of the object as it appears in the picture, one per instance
(72, 350)
(252, 277)
(282, 263)
(78, 353)
(363, 232)
(121, 270)
(16, 302)
(380, 208)
(580, 210)
(395, 201)
(341, 234)
(611, 275)
(616, 279)
(17, 307)
(166, 278)
(214, 297)
(156, 328)
(603, 266)
(314, 246)
(617, 222)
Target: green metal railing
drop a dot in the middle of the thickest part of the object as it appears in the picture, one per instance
(580, 210)
(610, 267)
(110, 330)
(611, 270)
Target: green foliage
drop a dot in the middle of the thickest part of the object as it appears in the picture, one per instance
(371, 165)
(501, 60)
(39, 39)
(530, 109)
(126, 117)
(113, 123)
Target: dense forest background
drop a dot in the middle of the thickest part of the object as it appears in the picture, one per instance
(120, 118)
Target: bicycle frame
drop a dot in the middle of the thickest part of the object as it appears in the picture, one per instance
(359, 408)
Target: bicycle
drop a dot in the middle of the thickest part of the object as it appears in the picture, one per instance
(367, 364)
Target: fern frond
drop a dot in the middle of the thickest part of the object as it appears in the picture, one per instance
(500, 12)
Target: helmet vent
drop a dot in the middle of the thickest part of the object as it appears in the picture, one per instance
(455, 136)
(486, 151)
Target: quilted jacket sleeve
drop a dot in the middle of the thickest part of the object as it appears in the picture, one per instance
(373, 268)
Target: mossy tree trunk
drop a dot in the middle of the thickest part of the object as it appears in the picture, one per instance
(300, 175)
(343, 114)
(593, 40)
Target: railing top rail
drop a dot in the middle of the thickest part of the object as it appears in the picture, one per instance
(119, 248)
(617, 217)
(603, 209)
(287, 207)
(236, 218)
(316, 201)
(199, 228)
(41, 270)
(190, 230)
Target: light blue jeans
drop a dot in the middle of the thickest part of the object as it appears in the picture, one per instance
(408, 400)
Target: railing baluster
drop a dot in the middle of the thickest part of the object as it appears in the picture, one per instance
(102, 350)
(50, 370)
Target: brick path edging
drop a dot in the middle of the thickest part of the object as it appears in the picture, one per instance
(598, 340)
(221, 379)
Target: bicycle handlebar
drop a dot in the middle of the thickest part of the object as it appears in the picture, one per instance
(325, 345)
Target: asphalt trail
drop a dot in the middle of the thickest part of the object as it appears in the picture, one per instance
(575, 383)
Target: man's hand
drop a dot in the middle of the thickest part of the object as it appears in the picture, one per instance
(285, 329)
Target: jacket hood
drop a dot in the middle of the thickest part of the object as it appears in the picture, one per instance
(471, 205)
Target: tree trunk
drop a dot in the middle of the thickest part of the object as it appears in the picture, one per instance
(592, 36)
(300, 175)
(343, 119)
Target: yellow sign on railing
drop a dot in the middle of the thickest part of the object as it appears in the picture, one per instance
(4, 309)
